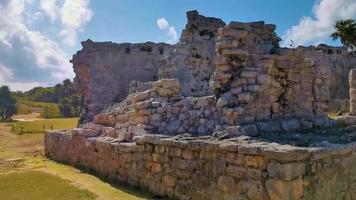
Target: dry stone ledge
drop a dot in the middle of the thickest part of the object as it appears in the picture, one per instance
(188, 168)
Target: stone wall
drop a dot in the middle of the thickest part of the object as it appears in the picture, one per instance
(192, 61)
(193, 168)
(254, 82)
(335, 62)
(104, 71)
(352, 81)
(162, 110)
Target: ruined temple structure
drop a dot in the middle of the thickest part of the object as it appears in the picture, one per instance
(226, 113)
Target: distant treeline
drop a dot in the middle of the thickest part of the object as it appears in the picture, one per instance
(64, 94)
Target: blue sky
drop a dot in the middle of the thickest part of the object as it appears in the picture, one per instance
(38, 37)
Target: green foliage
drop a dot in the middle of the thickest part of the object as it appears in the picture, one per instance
(43, 125)
(48, 110)
(69, 102)
(65, 107)
(7, 103)
(34, 185)
(346, 31)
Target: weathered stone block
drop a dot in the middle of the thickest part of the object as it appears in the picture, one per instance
(288, 171)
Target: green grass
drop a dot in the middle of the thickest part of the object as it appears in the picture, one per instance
(47, 124)
(50, 110)
(35, 185)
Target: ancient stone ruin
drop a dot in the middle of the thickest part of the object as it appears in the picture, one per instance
(224, 114)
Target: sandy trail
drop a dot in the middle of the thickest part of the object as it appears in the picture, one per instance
(28, 117)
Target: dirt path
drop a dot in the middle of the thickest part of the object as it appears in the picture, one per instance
(28, 117)
(25, 152)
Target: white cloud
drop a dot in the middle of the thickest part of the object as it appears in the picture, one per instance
(318, 27)
(50, 7)
(28, 52)
(163, 25)
(5, 79)
(74, 15)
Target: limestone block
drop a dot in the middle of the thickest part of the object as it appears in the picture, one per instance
(238, 83)
(93, 126)
(183, 190)
(228, 52)
(288, 171)
(281, 190)
(290, 125)
(249, 74)
(253, 88)
(169, 181)
(122, 118)
(141, 105)
(253, 189)
(141, 96)
(255, 161)
(173, 126)
(226, 184)
(85, 132)
(246, 96)
(224, 100)
(249, 130)
(236, 171)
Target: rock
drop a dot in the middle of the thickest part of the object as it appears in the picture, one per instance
(288, 171)
(85, 132)
(226, 184)
(281, 190)
(169, 181)
(224, 100)
(182, 190)
(249, 130)
(173, 126)
(290, 125)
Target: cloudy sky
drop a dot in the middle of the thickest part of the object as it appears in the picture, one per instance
(39, 37)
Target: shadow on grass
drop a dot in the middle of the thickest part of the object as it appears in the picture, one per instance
(138, 191)
(7, 121)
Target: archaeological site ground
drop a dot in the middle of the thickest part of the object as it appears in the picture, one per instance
(224, 114)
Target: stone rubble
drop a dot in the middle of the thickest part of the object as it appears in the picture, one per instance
(104, 70)
(199, 120)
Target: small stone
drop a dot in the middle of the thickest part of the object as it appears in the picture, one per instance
(169, 181)
(249, 74)
(226, 184)
(288, 171)
(281, 190)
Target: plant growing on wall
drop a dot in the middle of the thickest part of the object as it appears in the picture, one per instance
(346, 31)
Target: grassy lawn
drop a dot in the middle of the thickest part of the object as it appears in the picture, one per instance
(47, 124)
(25, 173)
(35, 185)
(49, 110)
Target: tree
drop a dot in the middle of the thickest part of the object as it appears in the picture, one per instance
(346, 31)
(65, 107)
(7, 103)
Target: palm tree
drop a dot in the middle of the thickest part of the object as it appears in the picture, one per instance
(346, 31)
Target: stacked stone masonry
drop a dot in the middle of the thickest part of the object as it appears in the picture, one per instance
(191, 168)
(352, 81)
(255, 82)
(104, 69)
(191, 121)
